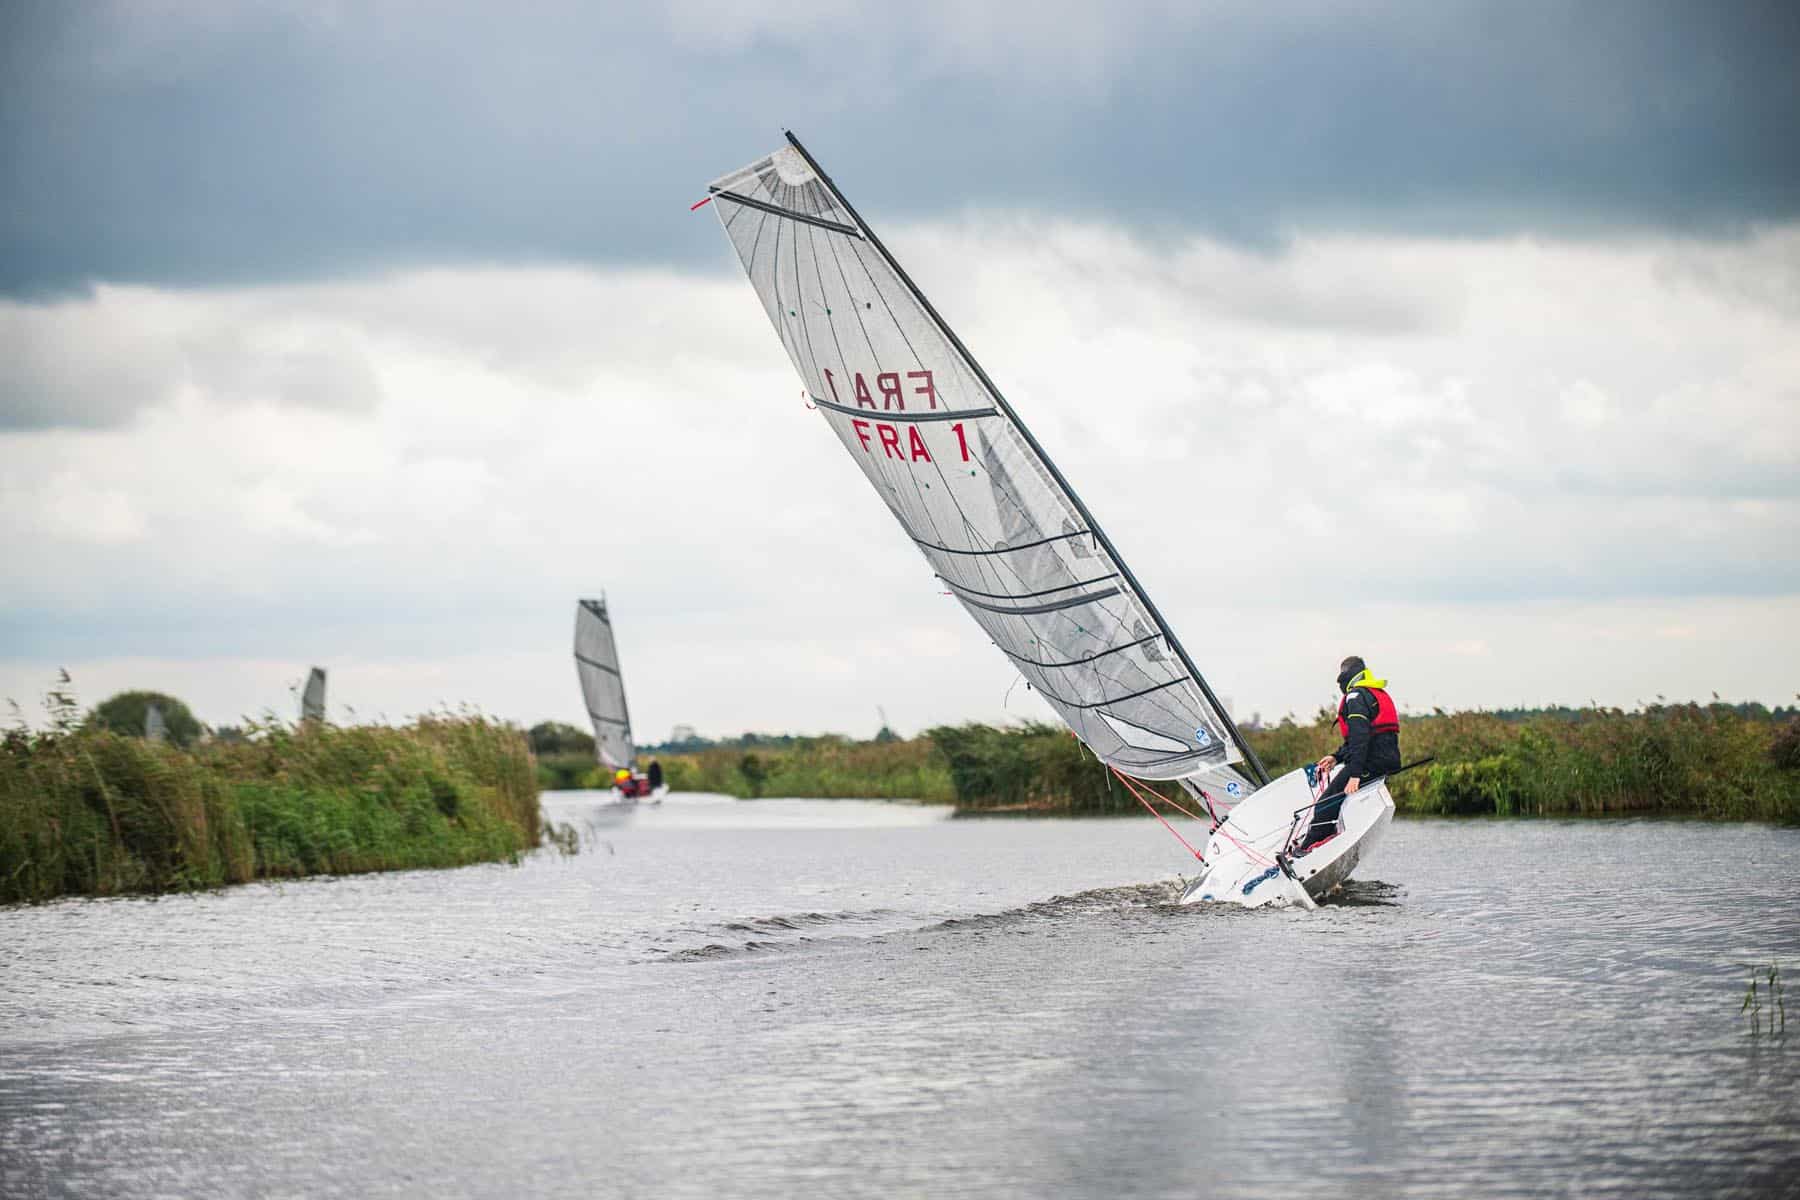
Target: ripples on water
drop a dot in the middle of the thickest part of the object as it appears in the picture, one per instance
(719, 998)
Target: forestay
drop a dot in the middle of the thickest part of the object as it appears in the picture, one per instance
(312, 698)
(602, 687)
(968, 483)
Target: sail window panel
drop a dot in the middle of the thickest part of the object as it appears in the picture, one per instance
(602, 685)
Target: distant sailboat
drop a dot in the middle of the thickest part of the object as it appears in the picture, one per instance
(312, 697)
(998, 523)
(603, 691)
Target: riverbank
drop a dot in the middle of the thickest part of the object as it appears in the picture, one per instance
(1713, 761)
(91, 812)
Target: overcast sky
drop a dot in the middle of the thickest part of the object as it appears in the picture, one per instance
(372, 335)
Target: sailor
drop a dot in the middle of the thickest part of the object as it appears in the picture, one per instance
(622, 781)
(1369, 726)
(656, 776)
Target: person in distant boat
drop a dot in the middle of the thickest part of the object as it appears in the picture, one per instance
(1369, 726)
(622, 781)
(655, 774)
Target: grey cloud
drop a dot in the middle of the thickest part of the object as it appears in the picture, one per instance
(95, 363)
(277, 142)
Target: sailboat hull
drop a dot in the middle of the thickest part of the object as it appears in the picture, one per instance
(1244, 856)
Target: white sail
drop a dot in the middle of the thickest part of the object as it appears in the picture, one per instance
(156, 728)
(968, 483)
(602, 687)
(312, 697)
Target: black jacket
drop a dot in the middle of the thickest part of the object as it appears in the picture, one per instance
(1365, 753)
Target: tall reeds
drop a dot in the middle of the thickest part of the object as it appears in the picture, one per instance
(1680, 759)
(89, 811)
(826, 767)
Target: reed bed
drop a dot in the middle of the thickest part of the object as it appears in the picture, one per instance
(828, 767)
(1713, 761)
(93, 812)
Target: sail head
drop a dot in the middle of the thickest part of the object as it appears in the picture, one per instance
(602, 686)
(965, 480)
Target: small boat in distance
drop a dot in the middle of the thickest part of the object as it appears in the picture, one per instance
(1002, 529)
(603, 691)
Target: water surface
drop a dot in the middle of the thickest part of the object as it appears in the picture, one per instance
(849, 998)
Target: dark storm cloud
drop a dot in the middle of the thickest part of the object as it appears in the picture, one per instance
(188, 144)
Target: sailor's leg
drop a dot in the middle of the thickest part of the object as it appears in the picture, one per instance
(1325, 816)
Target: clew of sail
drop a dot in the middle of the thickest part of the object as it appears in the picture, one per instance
(312, 697)
(602, 687)
(968, 483)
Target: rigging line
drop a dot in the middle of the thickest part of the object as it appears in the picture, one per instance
(791, 214)
(1123, 778)
(1261, 773)
(1250, 852)
(1192, 816)
(1063, 587)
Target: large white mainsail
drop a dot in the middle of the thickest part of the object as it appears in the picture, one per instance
(970, 485)
(602, 687)
(312, 697)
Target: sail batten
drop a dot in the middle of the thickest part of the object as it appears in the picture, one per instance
(602, 684)
(967, 482)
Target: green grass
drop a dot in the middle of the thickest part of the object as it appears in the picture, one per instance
(97, 813)
(1713, 761)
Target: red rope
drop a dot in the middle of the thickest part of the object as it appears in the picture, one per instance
(696, 207)
(1165, 822)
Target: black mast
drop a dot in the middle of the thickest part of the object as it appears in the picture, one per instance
(1256, 767)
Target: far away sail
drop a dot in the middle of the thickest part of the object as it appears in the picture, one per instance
(602, 687)
(969, 484)
(312, 698)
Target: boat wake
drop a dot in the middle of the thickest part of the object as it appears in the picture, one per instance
(1147, 902)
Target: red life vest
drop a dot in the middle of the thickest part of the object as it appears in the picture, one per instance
(1387, 717)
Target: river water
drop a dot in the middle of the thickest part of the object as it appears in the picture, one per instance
(838, 998)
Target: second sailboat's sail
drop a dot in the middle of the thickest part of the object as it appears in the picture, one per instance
(967, 482)
(312, 697)
(602, 687)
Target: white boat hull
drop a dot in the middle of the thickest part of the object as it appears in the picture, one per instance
(1245, 860)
